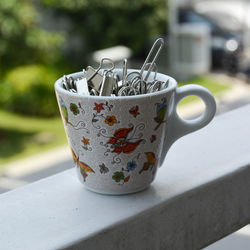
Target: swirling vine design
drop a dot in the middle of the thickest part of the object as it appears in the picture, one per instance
(140, 126)
(80, 125)
(116, 159)
(102, 132)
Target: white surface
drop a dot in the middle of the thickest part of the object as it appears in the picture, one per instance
(201, 194)
(240, 240)
(190, 49)
(37, 162)
(116, 53)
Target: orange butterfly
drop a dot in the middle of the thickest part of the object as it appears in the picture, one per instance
(84, 168)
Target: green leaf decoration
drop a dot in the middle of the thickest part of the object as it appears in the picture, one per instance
(118, 176)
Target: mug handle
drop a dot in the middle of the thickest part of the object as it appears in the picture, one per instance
(178, 127)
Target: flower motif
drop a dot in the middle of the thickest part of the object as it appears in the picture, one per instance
(118, 176)
(98, 107)
(85, 141)
(74, 109)
(110, 120)
(134, 111)
(131, 165)
(121, 143)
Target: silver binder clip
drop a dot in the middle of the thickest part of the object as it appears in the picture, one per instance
(105, 81)
(124, 71)
(108, 84)
(122, 82)
(93, 92)
(82, 86)
(94, 78)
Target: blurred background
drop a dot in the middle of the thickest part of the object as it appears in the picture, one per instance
(207, 42)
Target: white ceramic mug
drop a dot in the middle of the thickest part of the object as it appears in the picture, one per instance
(119, 142)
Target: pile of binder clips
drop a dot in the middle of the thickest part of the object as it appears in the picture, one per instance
(106, 82)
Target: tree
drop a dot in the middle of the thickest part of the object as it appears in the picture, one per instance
(98, 24)
(22, 40)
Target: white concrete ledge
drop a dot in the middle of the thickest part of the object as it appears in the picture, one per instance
(200, 195)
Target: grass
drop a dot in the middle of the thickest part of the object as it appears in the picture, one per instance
(21, 136)
(208, 82)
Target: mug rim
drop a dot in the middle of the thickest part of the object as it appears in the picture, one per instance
(61, 90)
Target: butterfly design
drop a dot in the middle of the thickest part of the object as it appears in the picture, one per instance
(84, 168)
(121, 143)
(134, 111)
(103, 169)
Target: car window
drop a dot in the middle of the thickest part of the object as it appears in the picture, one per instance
(191, 17)
(225, 21)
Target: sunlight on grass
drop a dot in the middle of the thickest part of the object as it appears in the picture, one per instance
(208, 82)
(21, 136)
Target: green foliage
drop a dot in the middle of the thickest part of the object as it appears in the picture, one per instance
(102, 24)
(29, 90)
(22, 40)
(214, 85)
(86, 25)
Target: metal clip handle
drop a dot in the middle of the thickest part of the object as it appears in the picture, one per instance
(161, 43)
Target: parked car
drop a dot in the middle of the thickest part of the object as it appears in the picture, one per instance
(226, 44)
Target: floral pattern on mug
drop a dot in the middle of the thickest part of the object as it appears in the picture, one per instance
(110, 120)
(121, 143)
(65, 115)
(123, 140)
(120, 129)
(120, 176)
(99, 108)
(131, 165)
(85, 145)
(74, 109)
(134, 111)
